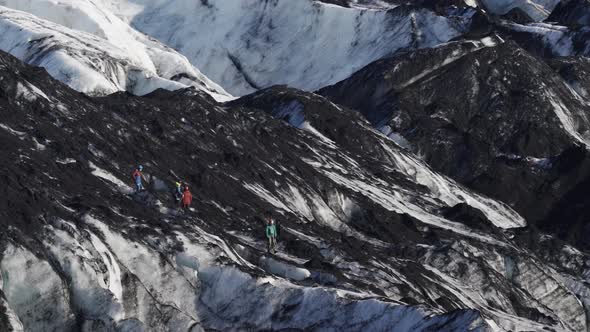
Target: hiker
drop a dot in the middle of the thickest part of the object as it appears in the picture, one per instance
(271, 234)
(178, 192)
(187, 198)
(137, 178)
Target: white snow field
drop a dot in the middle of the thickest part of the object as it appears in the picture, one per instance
(242, 45)
(249, 44)
(93, 51)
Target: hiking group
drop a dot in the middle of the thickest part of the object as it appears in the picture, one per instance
(184, 198)
(182, 195)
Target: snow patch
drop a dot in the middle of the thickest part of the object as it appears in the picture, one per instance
(101, 173)
(16, 133)
(114, 271)
(451, 193)
(567, 119)
(293, 113)
(266, 195)
(284, 270)
(29, 92)
(396, 137)
(66, 161)
(554, 36)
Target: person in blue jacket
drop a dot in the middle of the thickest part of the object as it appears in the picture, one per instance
(137, 178)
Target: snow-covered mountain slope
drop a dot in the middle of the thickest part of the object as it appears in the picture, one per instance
(316, 43)
(110, 57)
(492, 116)
(250, 44)
(370, 237)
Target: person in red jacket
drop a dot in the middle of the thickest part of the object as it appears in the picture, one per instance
(187, 198)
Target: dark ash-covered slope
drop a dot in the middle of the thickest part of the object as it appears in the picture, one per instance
(370, 237)
(571, 13)
(490, 115)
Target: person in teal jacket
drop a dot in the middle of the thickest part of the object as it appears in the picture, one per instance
(271, 234)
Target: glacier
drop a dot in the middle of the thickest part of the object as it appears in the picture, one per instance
(109, 57)
(374, 234)
(247, 45)
(370, 236)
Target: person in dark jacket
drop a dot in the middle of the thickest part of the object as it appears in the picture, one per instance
(177, 193)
